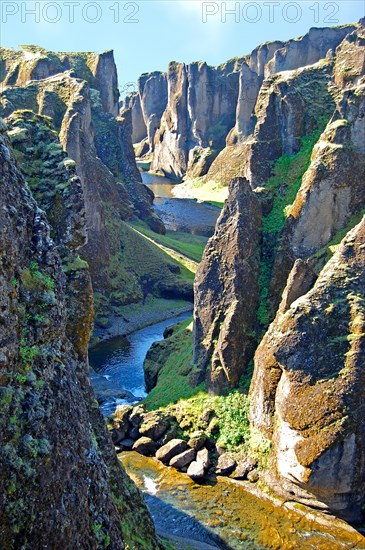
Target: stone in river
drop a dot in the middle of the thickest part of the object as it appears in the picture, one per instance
(171, 449)
(145, 446)
(183, 459)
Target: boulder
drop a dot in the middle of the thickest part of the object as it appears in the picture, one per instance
(136, 417)
(196, 470)
(145, 446)
(183, 459)
(171, 449)
(118, 435)
(202, 456)
(126, 444)
(154, 425)
(197, 440)
(134, 433)
(122, 414)
(170, 434)
(243, 468)
(225, 465)
(253, 476)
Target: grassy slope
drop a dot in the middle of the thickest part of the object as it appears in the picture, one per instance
(191, 246)
(177, 360)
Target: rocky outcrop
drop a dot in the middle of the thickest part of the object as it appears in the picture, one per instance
(262, 91)
(153, 96)
(100, 145)
(331, 194)
(192, 112)
(307, 391)
(227, 291)
(285, 111)
(60, 481)
(139, 129)
(18, 67)
(200, 111)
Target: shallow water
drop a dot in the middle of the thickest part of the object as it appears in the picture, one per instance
(186, 215)
(229, 515)
(120, 359)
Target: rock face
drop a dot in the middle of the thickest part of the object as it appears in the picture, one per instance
(227, 292)
(270, 105)
(35, 63)
(308, 178)
(100, 144)
(194, 110)
(313, 355)
(153, 96)
(331, 193)
(200, 111)
(139, 130)
(60, 481)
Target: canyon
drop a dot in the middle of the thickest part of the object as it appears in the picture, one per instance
(271, 369)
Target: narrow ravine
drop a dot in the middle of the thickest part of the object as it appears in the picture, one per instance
(117, 363)
(120, 362)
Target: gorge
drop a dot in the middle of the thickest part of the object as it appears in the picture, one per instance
(236, 192)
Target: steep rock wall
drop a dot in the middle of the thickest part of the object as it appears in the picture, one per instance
(139, 129)
(307, 392)
(257, 76)
(61, 483)
(226, 292)
(153, 93)
(18, 67)
(113, 193)
(200, 112)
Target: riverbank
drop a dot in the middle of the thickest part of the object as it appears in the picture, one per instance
(201, 190)
(138, 316)
(240, 513)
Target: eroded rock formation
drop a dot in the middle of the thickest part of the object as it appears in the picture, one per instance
(307, 392)
(100, 144)
(60, 482)
(200, 111)
(227, 292)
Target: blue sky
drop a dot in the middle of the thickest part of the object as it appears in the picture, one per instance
(146, 34)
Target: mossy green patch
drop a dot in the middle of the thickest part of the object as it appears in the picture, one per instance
(284, 186)
(177, 365)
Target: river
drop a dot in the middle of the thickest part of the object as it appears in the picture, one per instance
(120, 361)
(117, 363)
(186, 215)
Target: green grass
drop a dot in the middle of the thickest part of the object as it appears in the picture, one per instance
(284, 184)
(229, 414)
(215, 203)
(173, 380)
(191, 246)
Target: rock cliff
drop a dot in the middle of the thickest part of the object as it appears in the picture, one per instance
(100, 145)
(263, 99)
(215, 117)
(61, 483)
(308, 385)
(276, 256)
(225, 306)
(200, 111)
(153, 93)
(139, 129)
